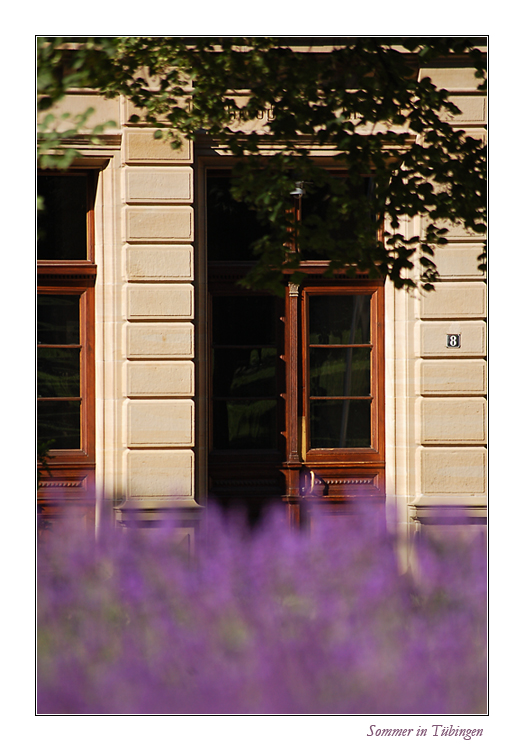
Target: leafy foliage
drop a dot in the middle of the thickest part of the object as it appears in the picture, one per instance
(57, 72)
(364, 101)
(274, 622)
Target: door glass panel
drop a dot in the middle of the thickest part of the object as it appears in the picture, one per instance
(344, 371)
(232, 227)
(62, 224)
(323, 203)
(58, 319)
(58, 372)
(247, 424)
(340, 423)
(339, 352)
(244, 372)
(242, 320)
(59, 421)
(339, 319)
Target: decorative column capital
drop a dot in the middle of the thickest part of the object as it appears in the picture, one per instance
(293, 289)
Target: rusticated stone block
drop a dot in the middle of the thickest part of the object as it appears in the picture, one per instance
(458, 261)
(159, 301)
(160, 474)
(159, 340)
(452, 420)
(473, 109)
(459, 301)
(431, 338)
(76, 104)
(159, 185)
(157, 262)
(457, 231)
(159, 423)
(140, 146)
(466, 377)
(452, 79)
(452, 471)
(169, 223)
(160, 379)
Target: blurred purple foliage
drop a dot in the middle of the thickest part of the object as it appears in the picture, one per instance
(270, 621)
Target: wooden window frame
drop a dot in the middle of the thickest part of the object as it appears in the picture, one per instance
(69, 474)
(376, 452)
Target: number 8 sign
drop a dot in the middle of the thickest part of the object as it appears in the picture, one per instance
(453, 341)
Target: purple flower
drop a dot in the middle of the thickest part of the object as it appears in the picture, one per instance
(270, 621)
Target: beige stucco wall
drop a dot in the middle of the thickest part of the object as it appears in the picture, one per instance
(147, 373)
(158, 372)
(436, 396)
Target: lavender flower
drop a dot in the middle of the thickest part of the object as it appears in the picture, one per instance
(270, 621)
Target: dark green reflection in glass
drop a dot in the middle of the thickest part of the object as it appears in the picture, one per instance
(232, 227)
(244, 372)
(339, 319)
(322, 203)
(58, 372)
(339, 372)
(59, 421)
(62, 225)
(58, 319)
(240, 320)
(340, 423)
(244, 424)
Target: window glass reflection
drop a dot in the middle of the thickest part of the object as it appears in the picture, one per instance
(244, 424)
(340, 372)
(62, 224)
(244, 372)
(340, 423)
(59, 422)
(242, 319)
(339, 319)
(232, 227)
(58, 319)
(58, 372)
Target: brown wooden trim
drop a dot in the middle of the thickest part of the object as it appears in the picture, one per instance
(87, 375)
(49, 271)
(87, 324)
(70, 478)
(350, 456)
(92, 178)
(292, 355)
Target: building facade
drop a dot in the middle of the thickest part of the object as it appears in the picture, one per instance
(173, 385)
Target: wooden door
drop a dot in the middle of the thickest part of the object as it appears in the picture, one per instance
(296, 392)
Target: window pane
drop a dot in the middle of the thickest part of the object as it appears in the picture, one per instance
(339, 319)
(62, 224)
(244, 372)
(58, 372)
(248, 425)
(341, 423)
(339, 372)
(231, 226)
(244, 320)
(58, 319)
(336, 215)
(59, 422)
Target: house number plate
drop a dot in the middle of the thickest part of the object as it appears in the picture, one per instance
(453, 341)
